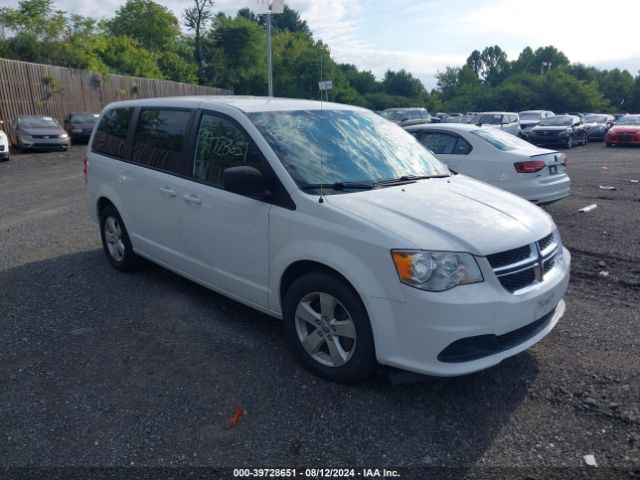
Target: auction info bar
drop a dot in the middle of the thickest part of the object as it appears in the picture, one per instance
(404, 473)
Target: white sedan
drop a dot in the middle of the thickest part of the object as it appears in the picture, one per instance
(4, 145)
(498, 158)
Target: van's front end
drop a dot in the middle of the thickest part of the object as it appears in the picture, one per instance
(455, 275)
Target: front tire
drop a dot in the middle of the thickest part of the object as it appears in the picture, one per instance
(328, 329)
(585, 139)
(115, 241)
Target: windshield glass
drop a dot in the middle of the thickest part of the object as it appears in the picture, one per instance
(501, 139)
(629, 120)
(84, 118)
(395, 114)
(355, 146)
(38, 122)
(489, 118)
(556, 122)
(529, 116)
(595, 119)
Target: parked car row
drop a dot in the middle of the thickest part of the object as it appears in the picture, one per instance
(40, 132)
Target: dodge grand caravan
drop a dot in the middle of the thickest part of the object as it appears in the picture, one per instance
(336, 221)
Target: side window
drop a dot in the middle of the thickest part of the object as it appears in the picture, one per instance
(444, 143)
(159, 139)
(514, 119)
(222, 144)
(111, 133)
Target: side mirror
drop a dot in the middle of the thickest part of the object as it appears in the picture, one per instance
(244, 180)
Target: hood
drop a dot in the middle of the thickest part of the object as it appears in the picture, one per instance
(529, 123)
(595, 124)
(455, 213)
(42, 131)
(625, 129)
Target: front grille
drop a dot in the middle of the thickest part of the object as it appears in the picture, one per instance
(545, 242)
(480, 346)
(625, 138)
(509, 257)
(45, 136)
(525, 266)
(519, 280)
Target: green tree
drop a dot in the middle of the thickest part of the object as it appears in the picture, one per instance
(152, 25)
(196, 19)
(402, 83)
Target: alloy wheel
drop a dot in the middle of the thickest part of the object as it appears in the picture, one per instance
(325, 329)
(113, 238)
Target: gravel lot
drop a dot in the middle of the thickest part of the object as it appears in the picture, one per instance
(100, 368)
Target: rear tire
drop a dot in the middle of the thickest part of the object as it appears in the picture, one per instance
(115, 241)
(328, 329)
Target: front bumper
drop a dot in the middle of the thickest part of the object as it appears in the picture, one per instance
(45, 143)
(4, 155)
(411, 335)
(623, 139)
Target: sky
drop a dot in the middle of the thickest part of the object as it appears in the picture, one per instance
(425, 36)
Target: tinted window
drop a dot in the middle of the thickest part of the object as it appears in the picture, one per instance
(444, 143)
(222, 144)
(159, 139)
(110, 136)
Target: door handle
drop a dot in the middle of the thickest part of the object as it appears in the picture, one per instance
(167, 191)
(191, 198)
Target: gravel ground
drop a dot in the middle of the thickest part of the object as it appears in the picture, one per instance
(100, 368)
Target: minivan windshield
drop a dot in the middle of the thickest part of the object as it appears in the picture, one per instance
(344, 146)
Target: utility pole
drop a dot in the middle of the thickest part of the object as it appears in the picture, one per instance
(268, 8)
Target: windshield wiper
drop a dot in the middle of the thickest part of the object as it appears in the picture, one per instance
(406, 179)
(339, 186)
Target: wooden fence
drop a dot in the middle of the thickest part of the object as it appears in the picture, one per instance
(35, 89)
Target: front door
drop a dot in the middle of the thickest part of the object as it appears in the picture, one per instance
(225, 235)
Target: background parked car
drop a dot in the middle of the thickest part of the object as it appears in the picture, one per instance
(498, 158)
(438, 117)
(38, 133)
(407, 116)
(565, 130)
(454, 118)
(79, 125)
(597, 125)
(625, 131)
(507, 121)
(531, 118)
(4, 144)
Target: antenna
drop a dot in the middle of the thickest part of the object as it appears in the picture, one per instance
(321, 199)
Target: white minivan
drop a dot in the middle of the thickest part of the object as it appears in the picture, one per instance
(333, 219)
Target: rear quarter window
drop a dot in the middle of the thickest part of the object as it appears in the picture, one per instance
(111, 133)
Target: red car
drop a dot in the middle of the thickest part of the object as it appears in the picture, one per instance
(625, 131)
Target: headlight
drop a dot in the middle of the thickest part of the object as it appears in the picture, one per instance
(435, 271)
(25, 137)
(559, 258)
(63, 135)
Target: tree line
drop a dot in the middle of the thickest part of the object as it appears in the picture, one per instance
(145, 39)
